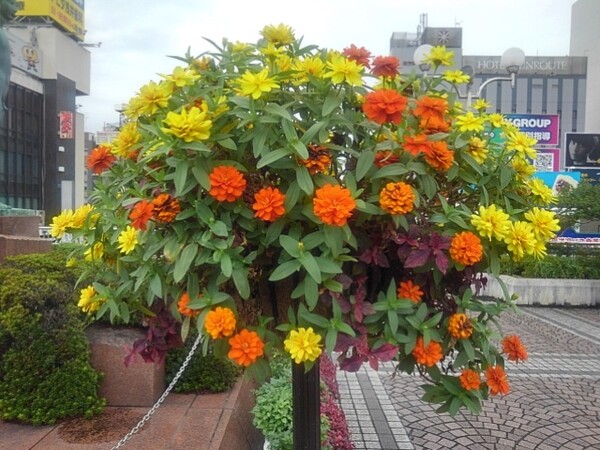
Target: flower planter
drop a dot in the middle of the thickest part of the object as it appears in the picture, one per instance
(547, 291)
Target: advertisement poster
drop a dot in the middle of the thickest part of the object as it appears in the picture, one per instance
(542, 127)
(582, 150)
(557, 181)
(65, 125)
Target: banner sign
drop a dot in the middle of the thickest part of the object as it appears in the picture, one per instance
(65, 125)
(542, 127)
(68, 14)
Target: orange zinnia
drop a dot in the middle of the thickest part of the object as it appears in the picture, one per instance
(460, 326)
(220, 322)
(141, 214)
(166, 208)
(100, 159)
(469, 380)
(439, 156)
(514, 348)
(182, 306)
(268, 204)
(397, 198)
(497, 380)
(434, 125)
(359, 55)
(466, 248)
(246, 347)
(333, 205)
(319, 159)
(227, 184)
(384, 105)
(416, 144)
(406, 289)
(385, 66)
(431, 107)
(428, 356)
(385, 157)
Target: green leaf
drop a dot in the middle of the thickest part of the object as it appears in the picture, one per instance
(365, 162)
(219, 228)
(290, 245)
(240, 279)
(330, 340)
(181, 173)
(468, 347)
(300, 149)
(273, 231)
(182, 264)
(289, 131)
(278, 110)
(201, 176)
(390, 171)
(272, 156)
(291, 196)
(334, 239)
(156, 286)
(392, 321)
(312, 131)
(285, 270)
(226, 265)
(310, 264)
(228, 143)
(332, 101)
(304, 179)
(328, 266)
(311, 292)
(506, 174)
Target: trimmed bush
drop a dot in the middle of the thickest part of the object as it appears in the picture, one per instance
(45, 373)
(578, 267)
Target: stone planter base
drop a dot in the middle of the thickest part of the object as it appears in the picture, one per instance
(547, 291)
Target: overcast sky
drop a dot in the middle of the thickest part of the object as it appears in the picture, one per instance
(138, 35)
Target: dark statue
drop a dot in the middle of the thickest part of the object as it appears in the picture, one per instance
(7, 12)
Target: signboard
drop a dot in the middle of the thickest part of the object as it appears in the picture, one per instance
(68, 14)
(542, 127)
(547, 160)
(24, 55)
(557, 181)
(582, 150)
(65, 125)
(540, 65)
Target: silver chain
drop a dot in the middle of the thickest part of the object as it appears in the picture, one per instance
(162, 398)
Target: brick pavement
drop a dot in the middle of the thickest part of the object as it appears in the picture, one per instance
(554, 401)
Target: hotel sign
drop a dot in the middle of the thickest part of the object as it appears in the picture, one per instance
(68, 14)
(541, 65)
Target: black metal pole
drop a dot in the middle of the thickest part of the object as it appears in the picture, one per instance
(307, 407)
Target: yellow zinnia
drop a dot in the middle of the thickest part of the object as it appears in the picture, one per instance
(480, 104)
(491, 222)
(545, 224)
(80, 215)
(95, 252)
(342, 69)
(181, 77)
(151, 98)
(255, 84)
(470, 122)
(521, 143)
(189, 125)
(477, 149)
(439, 56)
(61, 223)
(128, 240)
(87, 303)
(126, 140)
(541, 190)
(303, 345)
(520, 239)
(456, 76)
(278, 34)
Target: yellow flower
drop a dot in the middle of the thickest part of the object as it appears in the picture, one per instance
(126, 140)
(278, 34)
(342, 69)
(520, 239)
(480, 104)
(181, 77)
(71, 262)
(477, 149)
(470, 122)
(239, 47)
(303, 345)
(543, 192)
(523, 167)
(306, 67)
(95, 252)
(80, 215)
(496, 120)
(539, 249)
(189, 125)
(128, 240)
(284, 63)
(151, 98)
(272, 51)
(255, 84)
(87, 302)
(61, 223)
(521, 143)
(439, 56)
(545, 224)
(456, 76)
(491, 222)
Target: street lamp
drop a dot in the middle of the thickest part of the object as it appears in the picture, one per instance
(512, 59)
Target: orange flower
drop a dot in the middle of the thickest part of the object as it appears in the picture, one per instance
(514, 348)
(416, 144)
(141, 214)
(431, 108)
(333, 205)
(268, 204)
(428, 356)
(439, 156)
(469, 380)
(100, 159)
(385, 157)
(460, 326)
(385, 66)
(246, 347)
(406, 289)
(466, 248)
(497, 380)
(359, 55)
(182, 306)
(384, 105)
(434, 125)
(166, 208)
(319, 159)
(220, 322)
(227, 184)
(397, 198)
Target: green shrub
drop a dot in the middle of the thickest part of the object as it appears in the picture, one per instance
(580, 267)
(45, 373)
(273, 412)
(203, 374)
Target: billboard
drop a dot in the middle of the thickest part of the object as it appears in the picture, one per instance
(581, 150)
(542, 127)
(24, 55)
(68, 14)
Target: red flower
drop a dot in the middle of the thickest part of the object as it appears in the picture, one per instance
(358, 55)
(166, 208)
(466, 248)
(385, 66)
(384, 105)
(428, 356)
(409, 290)
(141, 214)
(100, 159)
